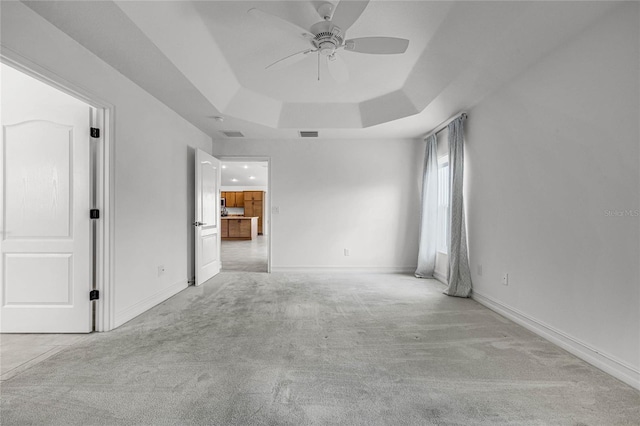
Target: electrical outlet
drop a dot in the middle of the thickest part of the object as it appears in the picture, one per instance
(505, 279)
(347, 252)
(479, 270)
(161, 270)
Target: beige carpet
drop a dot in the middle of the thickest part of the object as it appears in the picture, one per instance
(299, 349)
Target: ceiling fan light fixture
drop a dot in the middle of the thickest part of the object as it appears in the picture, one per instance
(325, 10)
(327, 42)
(329, 35)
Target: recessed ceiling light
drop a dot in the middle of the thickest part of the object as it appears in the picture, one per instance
(218, 118)
(252, 177)
(224, 166)
(234, 180)
(246, 167)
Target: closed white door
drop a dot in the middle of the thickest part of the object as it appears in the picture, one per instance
(207, 220)
(46, 243)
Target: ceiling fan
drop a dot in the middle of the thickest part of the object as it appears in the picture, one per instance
(328, 36)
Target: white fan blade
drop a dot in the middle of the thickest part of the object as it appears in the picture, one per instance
(289, 60)
(377, 45)
(279, 22)
(347, 12)
(338, 69)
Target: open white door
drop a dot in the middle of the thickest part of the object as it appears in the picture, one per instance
(207, 220)
(45, 270)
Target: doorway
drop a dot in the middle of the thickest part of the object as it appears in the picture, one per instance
(53, 174)
(245, 217)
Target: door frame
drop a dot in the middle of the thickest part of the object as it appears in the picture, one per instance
(104, 189)
(249, 158)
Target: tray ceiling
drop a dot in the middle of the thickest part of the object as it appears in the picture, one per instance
(207, 59)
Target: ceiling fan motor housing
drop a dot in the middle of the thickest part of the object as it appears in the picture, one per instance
(327, 37)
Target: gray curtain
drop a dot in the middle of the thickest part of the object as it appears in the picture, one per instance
(429, 215)
(459, 273)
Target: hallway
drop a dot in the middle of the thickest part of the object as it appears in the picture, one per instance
(248, 348)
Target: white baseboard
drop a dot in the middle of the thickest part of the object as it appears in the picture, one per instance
(145, 304)
(605, 362)
(346, 269)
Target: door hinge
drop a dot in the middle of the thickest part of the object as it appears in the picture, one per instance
(94, 214)
(95, 132)
(94, 295)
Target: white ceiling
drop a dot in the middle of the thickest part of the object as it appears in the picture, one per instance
(245, 173)
(250, 44)
(206, 58)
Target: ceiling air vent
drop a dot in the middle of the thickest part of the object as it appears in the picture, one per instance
(308, 134)
(232, 134)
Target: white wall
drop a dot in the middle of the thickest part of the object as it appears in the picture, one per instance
(335, 194)
(154, 149)
(546, 157)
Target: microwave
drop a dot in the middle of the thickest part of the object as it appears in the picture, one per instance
(223, 202)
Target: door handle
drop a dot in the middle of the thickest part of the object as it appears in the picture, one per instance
(196, 223)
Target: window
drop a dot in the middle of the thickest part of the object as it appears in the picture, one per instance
(442, 242)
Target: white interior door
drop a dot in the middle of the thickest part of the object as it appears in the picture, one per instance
(46, 244)
(207, 220)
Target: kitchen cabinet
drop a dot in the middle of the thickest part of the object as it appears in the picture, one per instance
(233, 198)
(253, 195)
(224, 228)
(239, 228)
(239, 199)
(254, 206)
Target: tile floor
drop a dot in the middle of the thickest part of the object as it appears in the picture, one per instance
(245, 255)
(19, 352)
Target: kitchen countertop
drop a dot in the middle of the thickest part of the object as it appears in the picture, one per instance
(238, 217)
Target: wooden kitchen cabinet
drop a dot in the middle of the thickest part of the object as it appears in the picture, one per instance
(239, 198)
(239, 228)
(254, 206)
(224, 228)
(253, 195)
(233, 198)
